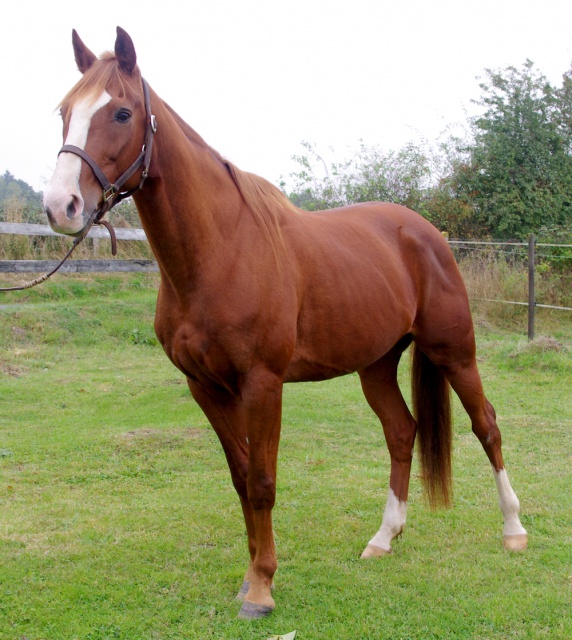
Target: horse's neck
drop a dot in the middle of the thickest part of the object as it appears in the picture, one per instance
(190, 204)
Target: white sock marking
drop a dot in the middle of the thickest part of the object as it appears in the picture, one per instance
(509, 505)
(394, 517)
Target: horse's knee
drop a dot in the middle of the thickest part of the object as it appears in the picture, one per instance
(261, 491)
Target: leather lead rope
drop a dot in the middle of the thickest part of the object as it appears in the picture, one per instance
(78, 240)
(40, 279)
(107, 225)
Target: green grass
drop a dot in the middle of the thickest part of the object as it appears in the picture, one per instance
(119, 519)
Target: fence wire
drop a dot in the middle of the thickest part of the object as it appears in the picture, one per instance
(518, 251)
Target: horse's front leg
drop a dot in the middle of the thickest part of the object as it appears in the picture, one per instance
(228, 418)
(249, 431)
(262, 398)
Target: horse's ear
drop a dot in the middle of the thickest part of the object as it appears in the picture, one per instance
(125, 51)
(83, 56)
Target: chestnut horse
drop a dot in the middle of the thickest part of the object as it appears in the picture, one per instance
(255, 293)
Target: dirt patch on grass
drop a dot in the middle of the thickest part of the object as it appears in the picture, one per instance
(159, 438)
(11, 370)
(545, 344)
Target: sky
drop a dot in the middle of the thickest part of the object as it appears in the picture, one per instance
(255, 78)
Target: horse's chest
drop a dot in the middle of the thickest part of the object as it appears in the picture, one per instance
(204, 356)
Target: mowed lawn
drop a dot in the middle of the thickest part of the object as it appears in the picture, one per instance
(119, 520)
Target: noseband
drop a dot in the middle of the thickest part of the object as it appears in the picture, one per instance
(112, 193)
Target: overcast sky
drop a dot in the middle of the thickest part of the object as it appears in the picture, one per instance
(256, 77)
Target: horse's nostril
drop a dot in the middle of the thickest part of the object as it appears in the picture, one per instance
(70, 211)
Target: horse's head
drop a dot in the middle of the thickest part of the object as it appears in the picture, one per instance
(106, 124)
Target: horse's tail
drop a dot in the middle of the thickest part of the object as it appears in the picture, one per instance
(432, 410)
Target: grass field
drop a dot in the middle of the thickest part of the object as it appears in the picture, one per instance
(119, 519)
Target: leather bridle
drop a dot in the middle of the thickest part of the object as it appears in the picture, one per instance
(112, 193)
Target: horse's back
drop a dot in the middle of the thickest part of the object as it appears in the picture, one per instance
(386, 245)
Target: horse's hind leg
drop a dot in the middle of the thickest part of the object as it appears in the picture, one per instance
(379, 384)
(466, 382)
(459, 365)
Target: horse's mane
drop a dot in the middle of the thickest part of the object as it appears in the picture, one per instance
(261, 196)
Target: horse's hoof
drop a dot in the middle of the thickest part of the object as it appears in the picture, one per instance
(517, 542)
(253, 611)
(371, 551)
(243, 590)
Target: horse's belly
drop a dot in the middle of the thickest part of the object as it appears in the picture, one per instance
(350, 344)
(303, 370)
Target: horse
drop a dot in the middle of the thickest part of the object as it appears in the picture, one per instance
(255, 293)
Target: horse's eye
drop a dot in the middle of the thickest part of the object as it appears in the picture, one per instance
(123, 115)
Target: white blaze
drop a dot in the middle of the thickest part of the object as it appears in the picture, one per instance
(64, 184)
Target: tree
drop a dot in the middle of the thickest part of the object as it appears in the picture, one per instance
(516, 173)
(371, 174)
(564, 110)
(29, 202)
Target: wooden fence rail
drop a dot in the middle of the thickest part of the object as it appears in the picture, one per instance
(74, 266)
(106, 266)
(78, 266)
(25, 229)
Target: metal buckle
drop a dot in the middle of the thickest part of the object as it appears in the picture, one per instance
(153, 124)
(108, 194)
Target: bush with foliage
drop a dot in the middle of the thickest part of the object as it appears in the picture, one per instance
(511, 175)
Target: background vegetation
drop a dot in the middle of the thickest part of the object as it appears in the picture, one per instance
(508, 175)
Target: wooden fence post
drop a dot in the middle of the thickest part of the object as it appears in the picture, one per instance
(531, 291)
